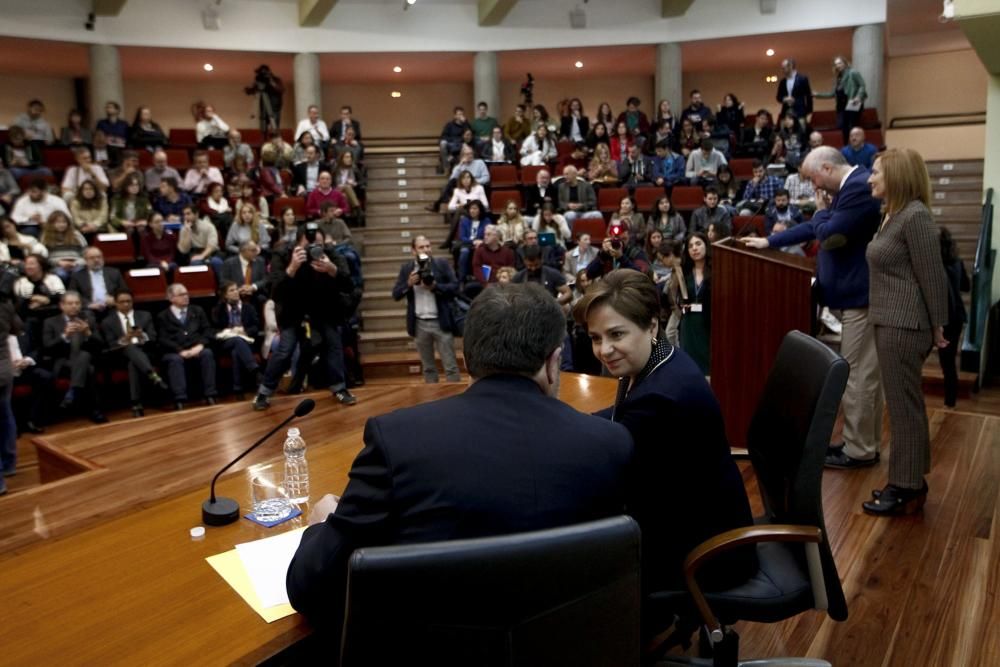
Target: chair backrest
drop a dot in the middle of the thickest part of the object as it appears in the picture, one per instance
(788, 438)
(742, 168)
(596, 227)
(824, 120)
(869, 118)
(742, 224)
(833, 138)
(529, 173)
(117, 248)
(199, 280)
(566, 596)
(609, 199)
(58, 159)
(687, 197)
(503, 176)
(645, 198)
(182, 137)
(298, 205)
(147, 285)
(499, 199)
(178, 158)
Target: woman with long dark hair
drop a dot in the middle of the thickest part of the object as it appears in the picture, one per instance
(696, 321)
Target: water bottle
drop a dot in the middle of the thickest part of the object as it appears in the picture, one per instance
(296, 468)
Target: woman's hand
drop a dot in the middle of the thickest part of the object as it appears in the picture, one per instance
(755, 242)
(939, 340)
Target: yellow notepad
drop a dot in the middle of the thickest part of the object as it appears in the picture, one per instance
(230, 567)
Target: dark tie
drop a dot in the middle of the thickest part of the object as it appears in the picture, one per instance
(184, 316)
(234, 316)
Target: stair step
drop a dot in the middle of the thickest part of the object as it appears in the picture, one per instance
(380, 281)
(392, 182)
(401, 142)
(372, 342)
(405, 232)
(940, 168)
(395, 150)
(382, 265)
(405, 160)
(956, 213)
(951, 183)
(404, 207)
(396, 195)
(379, 299)
(383, 320)
(407, 171)
(401, 364)
(402, 219)
(957, 197)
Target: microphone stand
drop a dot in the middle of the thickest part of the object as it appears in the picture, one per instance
(221, 511)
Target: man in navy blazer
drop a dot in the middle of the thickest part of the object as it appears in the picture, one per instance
(846, 219)
(794, 92)
(429, 318)
(506, 456)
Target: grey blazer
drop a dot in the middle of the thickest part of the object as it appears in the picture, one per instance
(908, 288)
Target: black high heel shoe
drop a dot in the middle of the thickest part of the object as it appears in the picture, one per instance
(894, 501)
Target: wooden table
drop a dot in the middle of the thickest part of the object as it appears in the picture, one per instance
(135, 588)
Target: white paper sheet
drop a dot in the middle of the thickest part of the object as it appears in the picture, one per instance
(266, 562)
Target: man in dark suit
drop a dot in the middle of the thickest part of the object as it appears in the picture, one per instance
(497, 149)
(305, 175)
(514, 457)
(794, 92)
(130, 335)
(429, 286)
(541, 192)
(235, 322)
(96, 283)
(71, 342)
(636, 169)
(249, 271)
(338, 128)
(185, 335)
(846, 219)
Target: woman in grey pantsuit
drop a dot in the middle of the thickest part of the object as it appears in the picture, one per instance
(908, 308)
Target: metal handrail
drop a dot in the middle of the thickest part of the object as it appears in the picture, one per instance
(938, 120)
(982, 278)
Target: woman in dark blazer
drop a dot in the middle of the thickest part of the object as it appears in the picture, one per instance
(686, 487)
(908, 306)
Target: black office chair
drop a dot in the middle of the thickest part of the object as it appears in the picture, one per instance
(565, 596)
(787, 442)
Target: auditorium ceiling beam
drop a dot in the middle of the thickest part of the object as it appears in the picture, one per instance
(493, 12)
(108, 7)
(313, 12)
(671, 9)
(980, 21)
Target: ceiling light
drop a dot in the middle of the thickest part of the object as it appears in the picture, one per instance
(769, 52)
(208, 67)
(397, 69)
(578, 64)
(396, 93)
(411, 2)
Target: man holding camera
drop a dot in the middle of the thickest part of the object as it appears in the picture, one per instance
(309, 282)
(429, 285)
(617, 253)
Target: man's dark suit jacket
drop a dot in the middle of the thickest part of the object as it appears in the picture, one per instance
(534, 198)
(299, 173)
(248, 317)
(445, 289)
(485, 152)
(174, 336)
(640, 172)
(111, 327)
(335, 129)
(500, 458)
(80, 282)
(55, 347)
(232, 270)
(801, 91)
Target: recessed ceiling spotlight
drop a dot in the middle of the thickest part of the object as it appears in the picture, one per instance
(411, 2)
(208, 67)
(769, 52)
(396, 93)
(397, 69)
(578, 64)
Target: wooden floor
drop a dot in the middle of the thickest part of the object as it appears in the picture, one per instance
(921, 590)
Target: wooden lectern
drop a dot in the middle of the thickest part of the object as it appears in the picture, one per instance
(758, 296)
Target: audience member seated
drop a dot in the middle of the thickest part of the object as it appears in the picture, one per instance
(668, 166)
(543, 192)
(617, 253)
(451, 138)
(711, 212)
(729, 188)
(515, 371)
(605, 115)
(471, 230)
(540, 116)
(781, 214)
(325, 192)
(659, 385)
(216, 207)
(115, 129)
(9, 189)
(719, 136)
(598, 135)
(651, 247)
(794, 139)
(664, 114)
(278, 150)
(483, 124)
(130, 210)
(349, 144)
(305, 175)
(549, 222)
(730, 114)
(269, 177)
(248, 270)
(602, 170)
(539, 148)
(497, 149)
(35, 206)
(14, 246)
(210, 131)
(703, 165)
(171, 202)
(287, 228)
(22, 157)
(95, 283)
(467, 189)
(756, 141)
(511, 225)
(574, 126)
(315, 126)
(131, 337)
(237, 333)
(576, 198)
(201, 175)
(552, 255)
(159, 171)
(505, 275)
(717, 231)
(664, 219)
(349, 180)
(778, 155)
(198, 241)
(296, 278)
(621, 141)
(664, 255)
(75, 134)
(579, 257)
(36, 128)
(626, 215)
(37, 292)
(859, 153)
(128, 168)
(518, 127)
(104, 155)
(490, 256)
(236, 148)
(247, 226)
(185, 335)
(64, 244)
(661, 132)
(158, 246)
(145, 133)
(338, 129)
(635, 120)
(801, 192)
(304, 141)
(551, 279)
(71, 343)
(636, 170)
(89, 209)
(688, 139)
(696, 111)
(758, 191)
(25, 361)
(83, 171)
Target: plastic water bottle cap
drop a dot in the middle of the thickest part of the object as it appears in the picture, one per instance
(197, 532)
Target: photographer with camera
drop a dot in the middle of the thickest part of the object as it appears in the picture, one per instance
(617, 253)
(268, 88)
(430, 286)
(309, 282)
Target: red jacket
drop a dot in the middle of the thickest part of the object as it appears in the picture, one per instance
(316, 198)
(495, 259)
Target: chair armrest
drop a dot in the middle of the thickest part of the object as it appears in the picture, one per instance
(730, 540)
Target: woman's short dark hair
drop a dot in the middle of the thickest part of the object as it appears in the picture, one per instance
(512, 329)
(628, 292)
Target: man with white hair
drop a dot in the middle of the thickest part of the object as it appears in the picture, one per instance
(846, 219)
(159, 171)
(576, 198)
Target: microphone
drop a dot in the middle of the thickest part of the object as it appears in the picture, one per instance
(221, 511)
